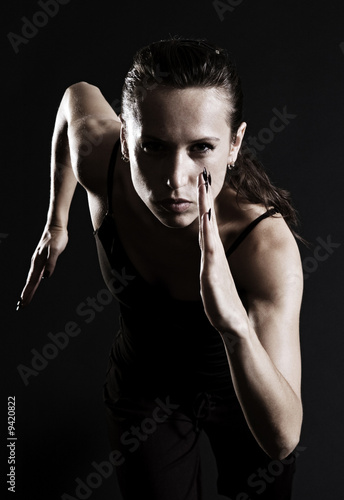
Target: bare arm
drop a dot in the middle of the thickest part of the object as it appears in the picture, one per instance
(265, 359)
(62, 179)
(62, 186)
(78, 145)
(261, 341)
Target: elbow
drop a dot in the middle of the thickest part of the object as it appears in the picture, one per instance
(80, 87)
(287, 438)
(282, 448)
(77, 90)
(283, 452)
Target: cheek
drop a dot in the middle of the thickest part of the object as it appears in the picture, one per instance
(142, 179)
(218, 177)
(146, 171)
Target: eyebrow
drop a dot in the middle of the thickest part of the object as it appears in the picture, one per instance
(202, 139)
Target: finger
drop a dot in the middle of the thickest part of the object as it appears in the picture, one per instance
(207, 231)
(204, 201)
(36, 272)
(203, 187)
(201, 206)
(206, 207)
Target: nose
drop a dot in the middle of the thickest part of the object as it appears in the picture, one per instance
(178, 170)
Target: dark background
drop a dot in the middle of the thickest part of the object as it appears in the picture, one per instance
(290, 54)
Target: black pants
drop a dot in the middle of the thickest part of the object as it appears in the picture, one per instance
(156, 443)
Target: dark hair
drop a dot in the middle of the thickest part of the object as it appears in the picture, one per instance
(182, 63)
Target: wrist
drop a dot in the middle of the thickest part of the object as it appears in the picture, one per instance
(56, 220)
(55, 225)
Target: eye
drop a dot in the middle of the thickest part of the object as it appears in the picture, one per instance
(203, 147)
(151, 147)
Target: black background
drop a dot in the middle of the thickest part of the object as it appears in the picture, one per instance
(290, 54)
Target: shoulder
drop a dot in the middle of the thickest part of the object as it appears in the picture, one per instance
(91, 151)
(267, 264)
(85, 100)
(268, 258)
(93, 129)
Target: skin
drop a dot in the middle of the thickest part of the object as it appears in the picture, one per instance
(172, 138)
(170, 145)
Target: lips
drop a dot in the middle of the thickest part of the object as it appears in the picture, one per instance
(176, 205)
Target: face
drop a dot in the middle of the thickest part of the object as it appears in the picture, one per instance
(174, 136)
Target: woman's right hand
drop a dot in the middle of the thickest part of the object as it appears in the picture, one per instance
(52, 243)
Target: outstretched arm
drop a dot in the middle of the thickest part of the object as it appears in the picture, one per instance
(84, 121)
(62, 186)
(261, 341)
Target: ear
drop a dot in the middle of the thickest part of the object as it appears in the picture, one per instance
(123, 137)
(236, 145)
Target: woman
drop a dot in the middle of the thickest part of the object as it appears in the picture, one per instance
(196, 244)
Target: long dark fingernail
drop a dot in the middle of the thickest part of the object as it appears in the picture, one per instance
(19, 304)
(209, 214)
(205, 175)
(206, 186)
(46, 274)
(209, 179)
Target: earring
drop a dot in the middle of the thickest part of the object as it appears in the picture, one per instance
(231, 167)
(124, 158)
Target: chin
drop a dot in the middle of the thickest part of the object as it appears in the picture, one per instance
(176, 221)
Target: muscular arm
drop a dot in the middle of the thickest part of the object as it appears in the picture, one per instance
(80, 147)
(264, 357)
(261, 339)
(62, 179)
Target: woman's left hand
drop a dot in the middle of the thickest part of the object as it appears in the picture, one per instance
(221, 301)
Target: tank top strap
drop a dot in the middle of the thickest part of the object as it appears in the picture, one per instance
(110, 174)
(248, 229)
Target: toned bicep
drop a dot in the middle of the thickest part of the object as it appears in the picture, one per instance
(274, 285)
(276, 323)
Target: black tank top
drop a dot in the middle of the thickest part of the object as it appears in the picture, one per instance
(164, 344)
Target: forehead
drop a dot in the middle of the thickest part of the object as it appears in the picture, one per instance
(181, 112)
